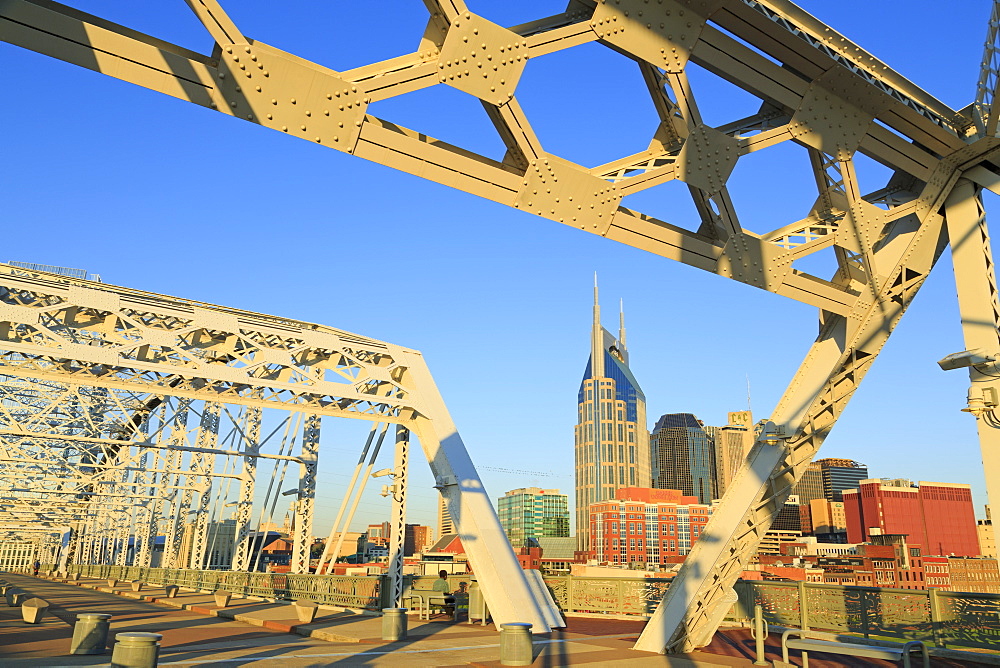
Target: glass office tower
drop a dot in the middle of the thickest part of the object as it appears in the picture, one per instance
(684, 456)
(611, 441)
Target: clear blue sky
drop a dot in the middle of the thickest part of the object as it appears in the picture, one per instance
(161, 195)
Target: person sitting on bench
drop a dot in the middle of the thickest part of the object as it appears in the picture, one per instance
(441, 585)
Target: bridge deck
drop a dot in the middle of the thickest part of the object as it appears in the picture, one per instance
(196, 632)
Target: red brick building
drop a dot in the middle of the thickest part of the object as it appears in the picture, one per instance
(937, 517)
(646, 526)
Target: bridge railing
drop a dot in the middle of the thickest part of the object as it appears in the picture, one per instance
(940, 618)
(362, 592)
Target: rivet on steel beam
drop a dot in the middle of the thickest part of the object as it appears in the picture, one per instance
(222, 75)
(284, 128)
(293, 100)
(247, 49)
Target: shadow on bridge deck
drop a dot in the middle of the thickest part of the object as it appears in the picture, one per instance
(197, 633)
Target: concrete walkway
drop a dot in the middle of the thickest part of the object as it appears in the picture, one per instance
(197, 633)
(263, 634)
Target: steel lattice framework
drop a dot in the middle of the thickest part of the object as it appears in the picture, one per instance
(816, 88)
(116, 404)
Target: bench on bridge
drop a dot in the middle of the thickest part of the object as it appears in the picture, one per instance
(817, 641)
(428, 599)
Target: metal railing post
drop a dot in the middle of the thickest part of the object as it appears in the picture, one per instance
(863, 598)
(936, 625)
(759, 634)
(803, 607)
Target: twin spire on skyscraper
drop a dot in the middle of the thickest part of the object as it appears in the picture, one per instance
(601, 340)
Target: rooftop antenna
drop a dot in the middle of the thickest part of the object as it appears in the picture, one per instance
(596, 339)
(748, 393)
(621, 322)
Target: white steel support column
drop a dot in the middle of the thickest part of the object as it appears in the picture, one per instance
(121, 540)
(306, 499)
(701, 593)
(244, 507)
(501, 578)
(203, 464)
(397, 535)
(173, 459)
(975, 280)
(72, 548)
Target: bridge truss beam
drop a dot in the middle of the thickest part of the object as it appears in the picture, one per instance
(119, 406)
(817, 89)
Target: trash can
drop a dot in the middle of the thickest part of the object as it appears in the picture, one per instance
(135, 649)
(477, 604)
(90, 633)
(515, 644)
(393, 624)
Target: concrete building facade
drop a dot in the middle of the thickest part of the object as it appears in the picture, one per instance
(646, 526)
(938, 517)
(732, 445)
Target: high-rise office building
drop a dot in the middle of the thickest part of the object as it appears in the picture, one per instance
(824, 518)
(987, 540)
(446, 525)
(840, 474)
(789, 518)
(684, 456)
(810, 485)
(532, 513)
(611, 441)
(936, 516)
(732, 445)
(417, 538)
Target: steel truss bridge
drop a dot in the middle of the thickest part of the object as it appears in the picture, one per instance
(116, 400)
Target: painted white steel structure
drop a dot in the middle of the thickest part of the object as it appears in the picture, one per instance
(817, 89)
(120, 405)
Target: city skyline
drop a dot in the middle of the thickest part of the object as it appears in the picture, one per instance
(510, 284)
